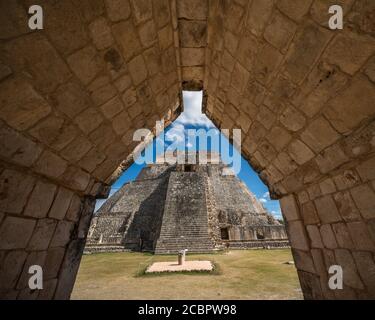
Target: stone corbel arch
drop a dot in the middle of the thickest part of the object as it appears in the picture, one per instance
(72, 95)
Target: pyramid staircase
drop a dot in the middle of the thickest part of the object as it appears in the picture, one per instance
(185, 220)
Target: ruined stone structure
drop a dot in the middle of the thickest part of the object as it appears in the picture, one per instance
(174, 207)
(72, 94)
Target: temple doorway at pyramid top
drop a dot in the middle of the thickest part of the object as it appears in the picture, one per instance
(73, 93)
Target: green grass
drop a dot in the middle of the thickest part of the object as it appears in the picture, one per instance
(251, 274)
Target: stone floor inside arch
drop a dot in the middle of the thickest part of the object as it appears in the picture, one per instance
(79, 77)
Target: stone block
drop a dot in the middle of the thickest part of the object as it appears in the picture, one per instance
(303, 260)
(61, 204)
(346, 206)
(112, 107)
(11, 268)
(292, 119)
(323, 83)
(103, 94)
(360, 236)
(327, 186)
(101, 33)
(161, 12)
(299, 152)
(192, 57)
(38, 57)
(122, 122)
(50, 164)
(328, 236)
(17, 148)
(66, 29)
(366, 268)
(71, 99)
(192, 33)
(279, 137)
(75, 208)
(147, 33)
(346, 261)
(42, 234)
(280, 31)
(314, 235)
(266, 63)
(293, 9)
(342, 236)
(165, 36)
(289, 208)
(285, 164)
(234, 17)
(15, 232)
(266, 117)
(53, 262)
(62, 234)
(86, 64)
(90, 9)
(349, 178)
(319, 135)
(91, 160)
(331, 158)
(259, 14)
(364, 198)
(370, 69)
(308, 213)
(153, 60)
(306, 48)
(366, 170)
(40, 200)
(48, 130)
(77, 149)
(297, 235)
(192, 9)
(15, 188)
(118, 9)
(142, 10)
(240, 78)
(327, 210)
(48, 290)
(138, 70)
(5, 71)
(231, 43)
(126, 37)
(350, 51)
(123, 83)
(89, 120)
(76, 179)
(340, 112)
(24, 109)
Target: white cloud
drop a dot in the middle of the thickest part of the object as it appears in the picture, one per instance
(175, 133)
(192, 114)
(263, 200)
(266, 195)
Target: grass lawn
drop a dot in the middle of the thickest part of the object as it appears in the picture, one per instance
(251, 274)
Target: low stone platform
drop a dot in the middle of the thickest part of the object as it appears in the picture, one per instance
(173, 266)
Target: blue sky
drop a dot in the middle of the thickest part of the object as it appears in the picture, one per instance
(192, 118)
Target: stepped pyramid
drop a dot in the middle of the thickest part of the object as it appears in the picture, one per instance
(191, 206)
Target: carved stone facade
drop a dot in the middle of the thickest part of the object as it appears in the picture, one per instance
(72, 94)
(169, 208)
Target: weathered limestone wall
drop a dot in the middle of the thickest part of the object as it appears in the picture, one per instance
(71, 96)
(303, 96)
